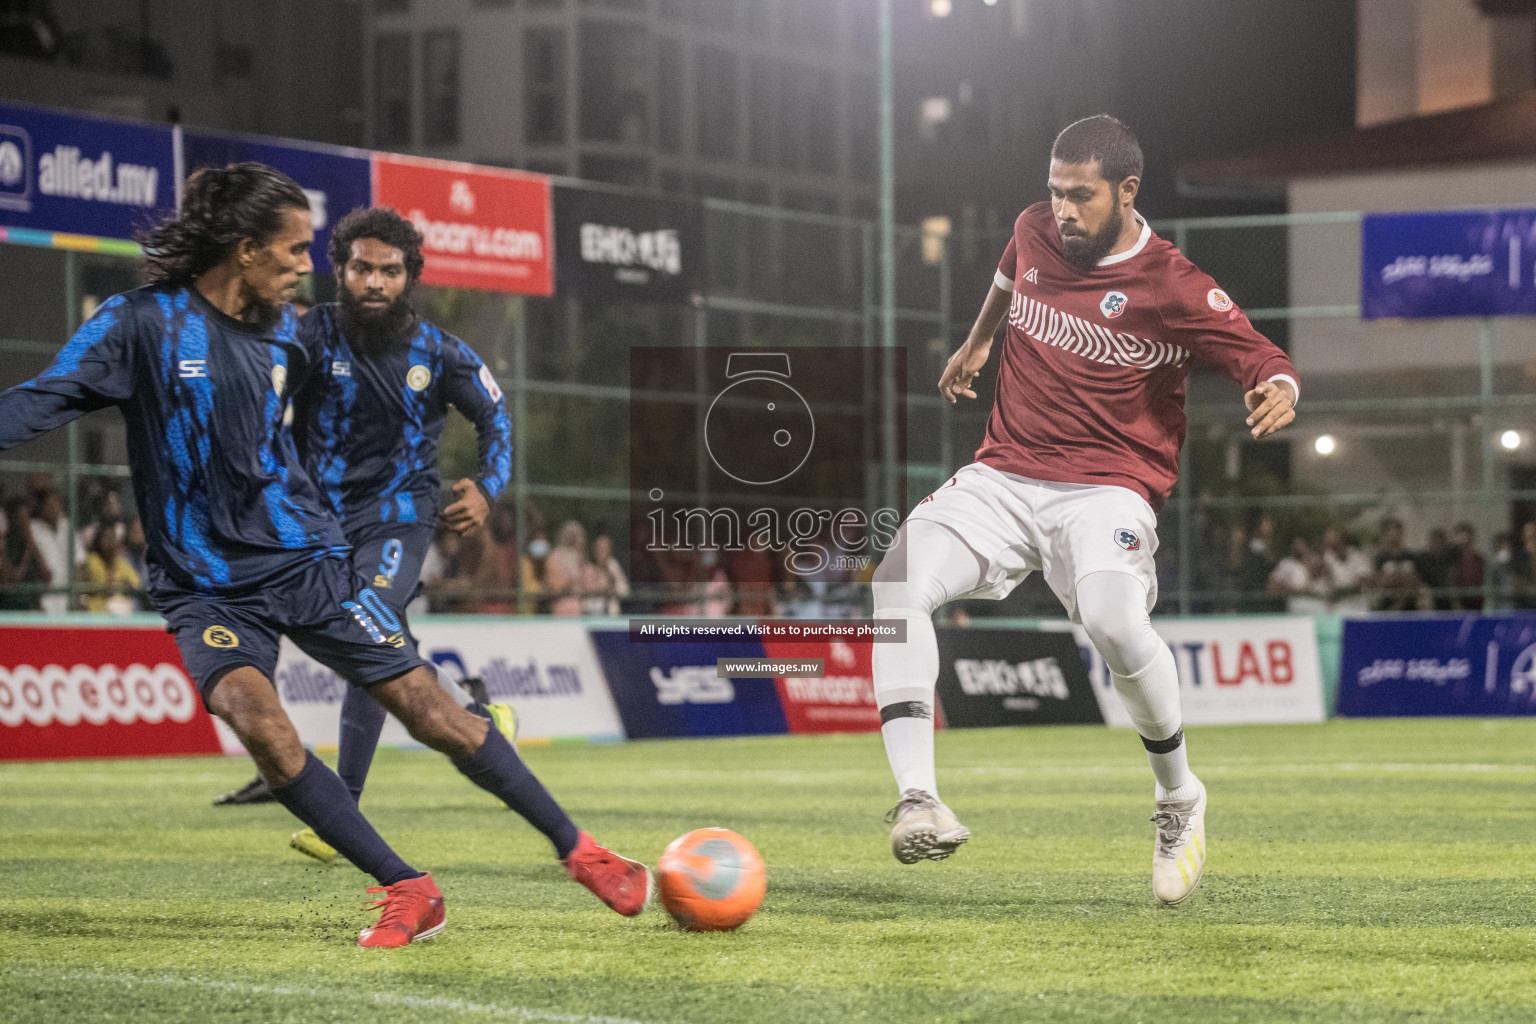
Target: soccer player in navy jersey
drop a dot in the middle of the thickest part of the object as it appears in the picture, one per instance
(367, 424)
(1081, 451)
(241, 548)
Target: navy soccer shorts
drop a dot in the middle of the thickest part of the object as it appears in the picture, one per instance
(388, 558)
(326, 610)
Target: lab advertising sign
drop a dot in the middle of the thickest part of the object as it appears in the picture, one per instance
(83, 175)
(615, 246)
(484, 227)
(335, 180)
(1461, 263)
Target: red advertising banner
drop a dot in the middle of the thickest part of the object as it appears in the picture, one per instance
(484, 227)
(842, 701)
(84, 692)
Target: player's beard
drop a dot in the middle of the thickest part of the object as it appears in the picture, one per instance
(1085, 251)
(369, 330)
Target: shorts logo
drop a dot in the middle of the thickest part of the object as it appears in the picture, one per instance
(1218, 300)
(418, 378)
(1127, 539)
(383, 582)
(1113, 304)
(221, 637)
(279, 377)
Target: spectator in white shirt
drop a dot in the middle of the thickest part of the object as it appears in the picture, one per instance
(1349, 568)
(50, 532)
(1302, 578)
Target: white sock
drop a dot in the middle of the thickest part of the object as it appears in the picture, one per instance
(905, 675)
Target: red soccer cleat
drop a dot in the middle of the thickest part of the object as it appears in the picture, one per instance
(413, 910)
(623, 884)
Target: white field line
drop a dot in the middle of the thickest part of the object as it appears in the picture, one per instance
(382, 999)
(1262, 767)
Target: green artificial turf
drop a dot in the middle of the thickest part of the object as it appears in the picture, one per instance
(1360, 871)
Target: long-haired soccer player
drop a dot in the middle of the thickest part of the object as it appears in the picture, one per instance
(241, 547)
(367, 422)
(1082, 449)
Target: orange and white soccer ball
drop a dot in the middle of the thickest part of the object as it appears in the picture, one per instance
(711, 880)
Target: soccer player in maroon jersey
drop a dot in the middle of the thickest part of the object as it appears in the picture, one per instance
(1082, 450)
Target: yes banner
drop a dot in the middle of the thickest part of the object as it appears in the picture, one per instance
(83, 175)
(993, 677)
(82, 691)
(484, 227)
(672, 689)
(614, 246)
(1237, 671)
(1439, 665)
(336, 180)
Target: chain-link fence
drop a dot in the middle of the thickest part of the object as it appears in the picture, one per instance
(1419, 428)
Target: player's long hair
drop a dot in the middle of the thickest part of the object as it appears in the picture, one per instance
(381, 223)
(220, 206)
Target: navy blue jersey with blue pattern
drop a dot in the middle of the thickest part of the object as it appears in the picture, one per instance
(368, 425)
(225, 502)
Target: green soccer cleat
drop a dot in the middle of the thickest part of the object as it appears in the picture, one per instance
(311, 845)
(504, 718)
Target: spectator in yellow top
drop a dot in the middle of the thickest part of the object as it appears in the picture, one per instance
(109, 576)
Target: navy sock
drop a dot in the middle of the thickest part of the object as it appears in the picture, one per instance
(320, 800)
(362, 719)
(497, 769)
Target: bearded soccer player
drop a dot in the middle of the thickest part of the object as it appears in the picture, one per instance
(241, 548)
(1081, 451)
(367, 424)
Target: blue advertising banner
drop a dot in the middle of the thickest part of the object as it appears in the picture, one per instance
(670, 689)
(1463, 263)
(1439, 665)
(336, 180)
(83, 175)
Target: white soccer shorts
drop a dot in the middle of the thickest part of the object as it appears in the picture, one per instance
(1019, 526)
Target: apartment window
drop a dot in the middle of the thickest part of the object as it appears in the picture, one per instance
(392, 89)
(760, 20)
(760, 109)
(493, 3)
(811, 23)
(717, 103)
(669, 95)
(544, 85)
(614, 97)
(718, 14)
(440, 88)
(616, 170)
(791, 115)
(391, 6)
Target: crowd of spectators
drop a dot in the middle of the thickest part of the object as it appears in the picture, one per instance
(35, 551)
(1254, 572)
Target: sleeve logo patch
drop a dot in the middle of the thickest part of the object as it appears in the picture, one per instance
(1127, 539)
(1113, 304)
(489, 383)
(1218, 300)
(279, 377)
(418, 378)
(221, 637)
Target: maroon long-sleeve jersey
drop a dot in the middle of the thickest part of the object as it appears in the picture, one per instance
(1091, 384)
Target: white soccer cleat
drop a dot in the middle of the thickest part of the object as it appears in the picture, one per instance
(1178, 855)
(924, 828)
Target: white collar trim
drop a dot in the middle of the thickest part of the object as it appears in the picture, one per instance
(1141, 243)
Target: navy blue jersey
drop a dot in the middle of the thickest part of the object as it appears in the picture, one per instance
(367, 425)
(226, 504)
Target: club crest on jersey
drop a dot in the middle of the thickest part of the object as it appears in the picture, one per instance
(1127, 539)
(1218, 300)
(489, 383)
(1032, 276)
(279, 377)
(1113, 304)
(418, 378)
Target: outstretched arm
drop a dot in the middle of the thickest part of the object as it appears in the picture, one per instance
(1270, 406)
(92, 371)
(474, 392)
(968, 360)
